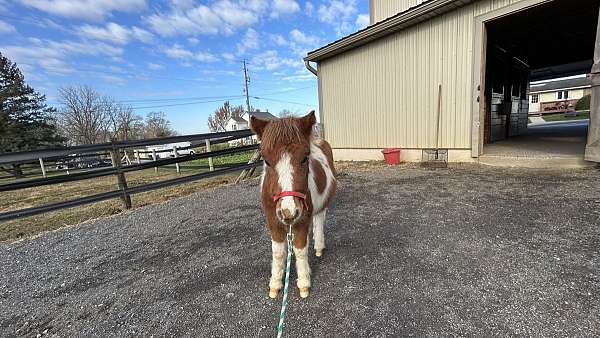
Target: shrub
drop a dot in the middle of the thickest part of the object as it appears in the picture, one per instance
(583, 103)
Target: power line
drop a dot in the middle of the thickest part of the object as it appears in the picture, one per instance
(181, 104)
(196, 97)
(283, 101)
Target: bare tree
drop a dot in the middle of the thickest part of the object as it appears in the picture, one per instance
(288, 113)
(157, 125)
(124, 124)
(82, 119)
(218, 120)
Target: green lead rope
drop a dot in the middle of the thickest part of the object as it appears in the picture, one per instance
(284, 301)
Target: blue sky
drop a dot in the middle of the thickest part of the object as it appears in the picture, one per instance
(178, 53)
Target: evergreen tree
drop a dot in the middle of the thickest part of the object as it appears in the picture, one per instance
(26, 122)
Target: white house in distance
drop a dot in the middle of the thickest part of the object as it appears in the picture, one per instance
(243, 122)
(557, 95)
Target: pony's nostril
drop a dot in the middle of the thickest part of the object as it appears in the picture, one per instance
(287, 215)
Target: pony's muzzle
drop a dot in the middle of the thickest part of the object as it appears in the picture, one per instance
(289, 210)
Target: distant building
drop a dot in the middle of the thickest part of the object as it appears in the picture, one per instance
(557, 95)
(243, 122)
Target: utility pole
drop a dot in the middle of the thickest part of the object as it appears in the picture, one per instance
(246, 83)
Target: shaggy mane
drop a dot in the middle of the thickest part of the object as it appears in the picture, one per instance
(281, 132)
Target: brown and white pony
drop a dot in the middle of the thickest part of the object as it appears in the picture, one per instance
(297, 185)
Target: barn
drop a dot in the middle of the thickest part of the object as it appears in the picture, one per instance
(455, 74)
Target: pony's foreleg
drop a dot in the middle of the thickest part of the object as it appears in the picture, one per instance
(302, 266)
(277, 268)
(319, 232)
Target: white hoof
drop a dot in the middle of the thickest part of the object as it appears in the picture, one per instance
(319, 253)
(273, 293)
(304, 292)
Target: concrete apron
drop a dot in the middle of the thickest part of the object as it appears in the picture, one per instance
(535, 162)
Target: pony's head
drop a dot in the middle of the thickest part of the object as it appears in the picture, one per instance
(285, 147)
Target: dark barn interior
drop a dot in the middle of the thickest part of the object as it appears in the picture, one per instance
(552, 40)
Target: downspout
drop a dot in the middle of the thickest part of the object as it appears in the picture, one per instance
(310, 68)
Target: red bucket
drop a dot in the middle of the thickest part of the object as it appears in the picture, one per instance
(391, 155)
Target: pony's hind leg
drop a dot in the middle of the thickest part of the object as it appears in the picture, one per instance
(277, 268)
(319, 232)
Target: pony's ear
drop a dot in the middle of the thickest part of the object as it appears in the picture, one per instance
(307, 122)
(257, 125)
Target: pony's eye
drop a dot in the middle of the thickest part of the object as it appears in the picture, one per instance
(267, 163)
(304, 160)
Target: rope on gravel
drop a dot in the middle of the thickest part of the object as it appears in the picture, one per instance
(284, 301)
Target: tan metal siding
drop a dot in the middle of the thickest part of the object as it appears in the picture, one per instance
(384, 94)
(383, 9)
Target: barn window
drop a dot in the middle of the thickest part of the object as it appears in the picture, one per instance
(535, 98)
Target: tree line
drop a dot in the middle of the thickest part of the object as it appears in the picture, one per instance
(89, 117)
(84, 116)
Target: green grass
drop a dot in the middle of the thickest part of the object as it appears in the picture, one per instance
(30, 197)
(561, 117)
(223, 160)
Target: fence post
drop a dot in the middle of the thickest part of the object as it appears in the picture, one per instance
(121, 182)
(175, 154)
(43, 167)
(249, 172)
(154, 159)
(210, 159)
(137, 156)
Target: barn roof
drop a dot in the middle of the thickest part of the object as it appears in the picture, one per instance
(549, 86)
(402, 20)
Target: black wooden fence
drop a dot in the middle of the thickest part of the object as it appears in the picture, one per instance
(116, 149)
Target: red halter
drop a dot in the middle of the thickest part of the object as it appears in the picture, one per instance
(293, 194)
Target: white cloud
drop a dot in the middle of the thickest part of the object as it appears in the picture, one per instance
(193, 41)
(205, 57)
(234, 15)
(182, 4)
(339, 14)
(142, 35)
(250, 41)
(279, 40)
(301, 38)
(154, 66)
(222, 16)
(284, 7)
(258, 6)
(115, 33)
(199, 20)
(53, 55)
(309, 8)
(228, 56)
(362, 21)
(85, 9)
(270, 60)
(5, 27)
(178, 52)
(296, 78)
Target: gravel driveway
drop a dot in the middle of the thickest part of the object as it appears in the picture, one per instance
(466, 251)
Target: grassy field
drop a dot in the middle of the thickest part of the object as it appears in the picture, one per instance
(562, 117)
(30, 226)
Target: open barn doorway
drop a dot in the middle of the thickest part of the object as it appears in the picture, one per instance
(548, 41)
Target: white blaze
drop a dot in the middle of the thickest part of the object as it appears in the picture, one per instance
(285, 171)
